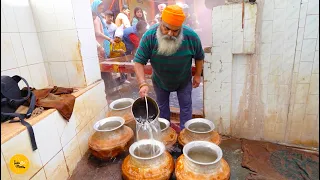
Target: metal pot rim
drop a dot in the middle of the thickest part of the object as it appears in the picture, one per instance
(149, 98)
(113, 103)
(206, 121)
(210, 145)
(145, 142)
(166, 122)
(108, 119)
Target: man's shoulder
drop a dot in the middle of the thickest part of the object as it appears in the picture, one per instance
(152, 30)
(187, 31)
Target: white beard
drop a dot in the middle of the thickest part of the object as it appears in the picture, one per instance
(168, 45)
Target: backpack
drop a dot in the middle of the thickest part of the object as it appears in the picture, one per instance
(11, 98)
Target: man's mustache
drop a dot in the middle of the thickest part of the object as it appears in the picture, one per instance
(170, 38)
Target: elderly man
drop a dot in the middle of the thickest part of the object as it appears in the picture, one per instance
(170, 46)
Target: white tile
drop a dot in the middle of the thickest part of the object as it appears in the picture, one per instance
(59, 73)
(24, 72)
(314, 84)
(72, 154)
(4, 27)
(301, 93)
(300, 39)
(317, 47)
(289, 52)
(277, 43)
(279, 21)
(309, 45)
(76, 73)
(305, 70)
(46, 15)
(266, 32)
(39, 176)
(313, 104)
(42, 46)
(9, 149)
(273, 82)
(303, 14)
(264, 59)
(8, 59)
(275, 64)
(315, 69)
(249, 30)
(87, 43)
(9, 16)
(24, 16)
(293, 9)
(31, 46)
(279, 4)
(216, 14)
(57, 168)
(91, 70)
(237, 42)
(82, 14)
(64, 14)
(49, 77)
(297, 59)
(313, 7)
(39, 81)
(299, 111)
(5, 175)
(66, 129)
(46, 130)
(265, 49)
(11, 72)
(286, 73)
(241, 73)
(83, 137)
(308, 49)
(307, 56)
(226, 12)
(53, 46)
(291, 30)
(227, 30)
(268, 8)
(251, 11)
(70, 46)
(18, 49)
(312, 28)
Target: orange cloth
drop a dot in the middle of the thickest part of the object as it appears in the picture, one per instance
(173, 15)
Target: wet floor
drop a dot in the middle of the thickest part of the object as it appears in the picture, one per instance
(92, 168)
(130, 89)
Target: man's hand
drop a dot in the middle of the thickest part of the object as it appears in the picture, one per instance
(196, 81)
(143, 91)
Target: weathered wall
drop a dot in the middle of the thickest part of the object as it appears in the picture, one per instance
(271, 93)
(20, 48)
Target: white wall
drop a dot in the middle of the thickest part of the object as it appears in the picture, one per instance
(67, 40)
(20, 49)
(272, 94)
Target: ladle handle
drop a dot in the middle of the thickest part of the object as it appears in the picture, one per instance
(145, 98)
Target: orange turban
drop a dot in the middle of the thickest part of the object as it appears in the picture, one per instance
(173, 15)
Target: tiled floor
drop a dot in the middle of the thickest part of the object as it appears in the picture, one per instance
(91, 168)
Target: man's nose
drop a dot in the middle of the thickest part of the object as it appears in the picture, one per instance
(170, 33)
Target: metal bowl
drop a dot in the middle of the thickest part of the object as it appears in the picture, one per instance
(122, 100)
(199, 120)
(109, 120)
(202, 144)
(166, 122)
(147, 142)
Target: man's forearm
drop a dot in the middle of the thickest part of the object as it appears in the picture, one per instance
(199, 67)
(139, 70)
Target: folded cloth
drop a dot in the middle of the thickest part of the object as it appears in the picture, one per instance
(57, 97)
